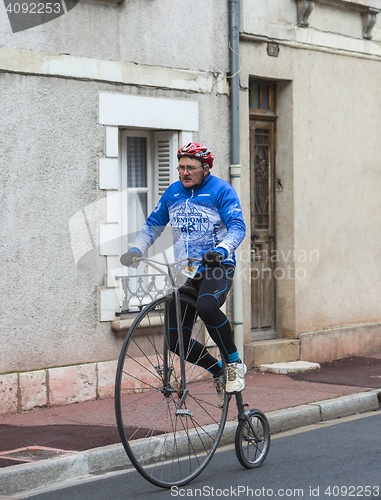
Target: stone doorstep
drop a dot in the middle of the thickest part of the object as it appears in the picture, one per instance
(316, 346)
(278, 350)
(290, 367)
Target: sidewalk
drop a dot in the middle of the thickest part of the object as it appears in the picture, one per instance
(45, 443)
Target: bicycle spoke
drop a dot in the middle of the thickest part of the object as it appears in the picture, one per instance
(146, 414)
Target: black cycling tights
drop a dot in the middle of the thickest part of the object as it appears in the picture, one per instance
(213, 285)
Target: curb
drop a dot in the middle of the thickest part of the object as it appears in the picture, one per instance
(26, 477)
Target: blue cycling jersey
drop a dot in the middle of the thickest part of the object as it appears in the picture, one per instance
(203, 218)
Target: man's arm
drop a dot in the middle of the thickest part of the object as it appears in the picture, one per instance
(153, 228)
(231, 215)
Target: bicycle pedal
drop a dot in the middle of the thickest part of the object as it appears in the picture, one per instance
(183, 413)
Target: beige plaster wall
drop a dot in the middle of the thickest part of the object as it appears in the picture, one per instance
(51, 142)
(337, 207)
(328, 159)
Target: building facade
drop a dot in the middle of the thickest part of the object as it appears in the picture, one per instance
(95, 105)
(310, 102)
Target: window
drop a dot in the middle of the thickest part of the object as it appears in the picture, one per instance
(161, 121)
(148, 167)
(261, 95)
(136, 184)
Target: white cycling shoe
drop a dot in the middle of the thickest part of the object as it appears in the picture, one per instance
(235, 381)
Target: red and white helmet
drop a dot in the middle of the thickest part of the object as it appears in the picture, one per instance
(198, 151)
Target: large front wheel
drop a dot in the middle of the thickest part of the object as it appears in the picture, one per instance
(252, 439)
(169, 444)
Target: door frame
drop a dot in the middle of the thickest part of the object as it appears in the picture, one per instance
(266, 237)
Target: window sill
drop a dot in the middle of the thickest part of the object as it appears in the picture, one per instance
(122, 325)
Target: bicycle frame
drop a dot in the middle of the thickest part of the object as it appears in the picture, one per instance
(172, 272)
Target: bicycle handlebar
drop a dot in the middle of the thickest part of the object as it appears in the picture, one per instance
(189, 260)
(154, 263)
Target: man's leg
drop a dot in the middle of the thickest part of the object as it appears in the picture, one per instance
(194, 351)
(215, 285)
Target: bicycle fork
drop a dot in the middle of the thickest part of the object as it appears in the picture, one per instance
(182, 391)
(245, 415)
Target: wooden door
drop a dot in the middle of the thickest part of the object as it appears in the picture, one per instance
(262, 178)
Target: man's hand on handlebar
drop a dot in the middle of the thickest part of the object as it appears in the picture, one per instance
(212, 259)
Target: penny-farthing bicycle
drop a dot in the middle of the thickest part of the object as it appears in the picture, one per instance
(166, 408)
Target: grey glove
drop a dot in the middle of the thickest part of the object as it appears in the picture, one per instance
(127, 259)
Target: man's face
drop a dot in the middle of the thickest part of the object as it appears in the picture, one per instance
(191, 171)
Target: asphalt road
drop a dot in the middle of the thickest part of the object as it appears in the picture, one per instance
(334, 460)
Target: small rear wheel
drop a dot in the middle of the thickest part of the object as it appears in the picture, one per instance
(252, 439)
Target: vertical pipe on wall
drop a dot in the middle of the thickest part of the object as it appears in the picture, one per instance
(234, 80)
(235, 167)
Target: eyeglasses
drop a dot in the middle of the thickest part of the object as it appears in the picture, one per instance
(190, 170)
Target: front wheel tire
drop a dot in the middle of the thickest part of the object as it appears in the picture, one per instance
(167, 446)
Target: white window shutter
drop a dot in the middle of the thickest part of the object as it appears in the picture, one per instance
(165, 161)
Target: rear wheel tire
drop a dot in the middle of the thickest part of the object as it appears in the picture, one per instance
(252, 447)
